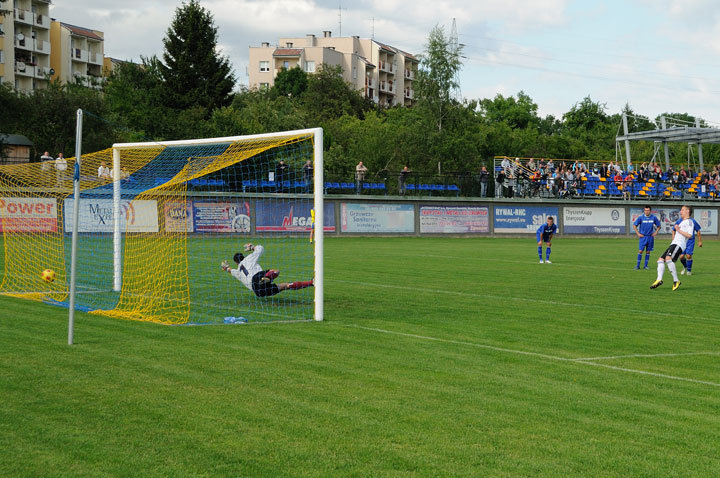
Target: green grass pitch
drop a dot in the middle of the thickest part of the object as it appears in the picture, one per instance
(438, 357)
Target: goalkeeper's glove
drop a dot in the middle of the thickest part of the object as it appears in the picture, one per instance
(249, 247)
(225, 265)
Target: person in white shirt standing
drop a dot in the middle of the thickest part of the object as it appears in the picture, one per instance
(252, 275)
(104, 171)
(683, 232)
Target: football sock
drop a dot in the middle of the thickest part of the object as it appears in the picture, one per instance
(673, 271)
(300, 284)
(547, 253)
(639, 259)
(540, 252)
(688, 266)
(661, 269)
(647, 259)
(684, 262)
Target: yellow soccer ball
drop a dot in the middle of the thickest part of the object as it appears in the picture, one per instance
(48, 275)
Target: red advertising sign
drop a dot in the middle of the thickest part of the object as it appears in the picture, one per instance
(28, 215)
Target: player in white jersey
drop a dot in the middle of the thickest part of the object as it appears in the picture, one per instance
(256, 279)
(683, 232)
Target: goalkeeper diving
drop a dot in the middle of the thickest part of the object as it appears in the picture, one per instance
(252, 275)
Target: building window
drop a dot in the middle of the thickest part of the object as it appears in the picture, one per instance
(264, 86)
(309, 67)
(354, 72)
(264, 66)
(1, 57)
(286, 65)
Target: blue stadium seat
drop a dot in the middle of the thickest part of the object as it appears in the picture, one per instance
(410, 187)
(347, 185)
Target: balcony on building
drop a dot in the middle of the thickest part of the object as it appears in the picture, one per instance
(41, 46)
(95, 58)
(42, 72)
(41, 20)
(409, 74)
(78, 54)
(23, 42)
(409, 93)
(23, 68)
(23, 16)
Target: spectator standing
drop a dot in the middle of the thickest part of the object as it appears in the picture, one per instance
(46, 157)
(45, 165)
(603, 170)
(505, 165)
(308, 176)
(510, 182)
(360, 172)
(402, 180)
(281, 171)
(499, 183)
(483, 181)
(60, 168)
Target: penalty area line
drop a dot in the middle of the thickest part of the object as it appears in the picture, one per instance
(614, 357)
(523, 299)
(533, 354)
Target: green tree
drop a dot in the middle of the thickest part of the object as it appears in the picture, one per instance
(292, 82)
(439, 65)
(517, 113)
(195, 74)
(329, 97)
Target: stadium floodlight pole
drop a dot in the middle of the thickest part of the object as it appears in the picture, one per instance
(319, 222)
(117, 231)
(76, 220)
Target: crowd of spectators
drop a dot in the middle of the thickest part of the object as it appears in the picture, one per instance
(535, 178)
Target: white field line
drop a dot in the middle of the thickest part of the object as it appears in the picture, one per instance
(533, 354)
(614, 357)
(523, 299)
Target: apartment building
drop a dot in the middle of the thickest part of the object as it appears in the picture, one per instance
(382, 72)
(25, 44)
(77, 54)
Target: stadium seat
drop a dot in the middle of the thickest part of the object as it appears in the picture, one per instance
(454, 188)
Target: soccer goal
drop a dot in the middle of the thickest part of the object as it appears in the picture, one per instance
(156, 220)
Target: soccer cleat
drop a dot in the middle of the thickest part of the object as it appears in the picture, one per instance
(637, 268)
(645, 268)
(225, 265)
(548, 262)
(676, 285)
(542, 261)
(682, 272)
(656, 284)
(688, 273)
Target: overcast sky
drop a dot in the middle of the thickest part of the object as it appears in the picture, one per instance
(657, 55)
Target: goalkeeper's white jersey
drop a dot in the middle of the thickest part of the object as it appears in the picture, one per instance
(687, 227)
(248, 267)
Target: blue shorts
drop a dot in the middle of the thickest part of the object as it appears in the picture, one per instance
(543, 237)
(690, 247)
(647, 242)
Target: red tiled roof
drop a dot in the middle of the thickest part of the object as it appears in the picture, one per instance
(287, 52)
(82, 31)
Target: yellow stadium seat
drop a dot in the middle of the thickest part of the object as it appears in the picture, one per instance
(603, 179)
(642, 193)
(598, 192)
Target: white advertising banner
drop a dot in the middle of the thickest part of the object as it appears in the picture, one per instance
(594, 220)
(708, 218)
(28, 214)
(96, 215)
(378, 218)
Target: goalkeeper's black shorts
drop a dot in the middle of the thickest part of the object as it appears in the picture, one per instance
(263, 288)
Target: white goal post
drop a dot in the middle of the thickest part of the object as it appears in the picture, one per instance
(318, 180)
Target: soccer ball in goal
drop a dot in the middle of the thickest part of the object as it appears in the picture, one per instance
(155, 221)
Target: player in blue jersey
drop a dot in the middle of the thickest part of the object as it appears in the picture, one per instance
(646, 227)
(687, 257)
(545, 234)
